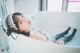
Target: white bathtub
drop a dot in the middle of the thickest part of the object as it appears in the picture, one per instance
(27, 45)
(52, 23)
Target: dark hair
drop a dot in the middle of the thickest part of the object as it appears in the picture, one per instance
(10, 21)
(16, 23)
(14, 18)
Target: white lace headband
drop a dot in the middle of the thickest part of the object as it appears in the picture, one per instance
(10, 22)
(8, 25)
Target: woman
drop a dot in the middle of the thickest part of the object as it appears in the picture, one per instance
(19, 24)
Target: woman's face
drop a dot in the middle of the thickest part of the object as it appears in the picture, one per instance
(23, 23)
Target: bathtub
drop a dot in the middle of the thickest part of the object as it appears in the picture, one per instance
(25, 44)
(51, 23)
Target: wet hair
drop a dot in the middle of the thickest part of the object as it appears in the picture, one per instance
(12, 24)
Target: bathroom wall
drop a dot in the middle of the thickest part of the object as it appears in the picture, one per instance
(26, 6)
